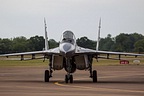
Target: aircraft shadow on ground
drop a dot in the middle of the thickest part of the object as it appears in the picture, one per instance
(76, 82)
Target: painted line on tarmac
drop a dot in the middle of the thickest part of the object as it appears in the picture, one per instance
(99, 89)
(66, 85)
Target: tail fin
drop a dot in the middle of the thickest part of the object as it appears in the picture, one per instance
(97, 46)
(46, 38)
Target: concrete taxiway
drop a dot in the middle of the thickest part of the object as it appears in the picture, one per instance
(112, 81)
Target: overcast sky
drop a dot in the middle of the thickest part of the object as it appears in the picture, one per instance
(26, 17)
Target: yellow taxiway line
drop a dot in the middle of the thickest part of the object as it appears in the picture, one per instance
(100, 89)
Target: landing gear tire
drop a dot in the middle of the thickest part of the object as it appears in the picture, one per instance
(47, 76)
(66, 78)
(94, 76)
(71, 78)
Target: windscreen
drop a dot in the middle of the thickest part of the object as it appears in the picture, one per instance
(68, 36)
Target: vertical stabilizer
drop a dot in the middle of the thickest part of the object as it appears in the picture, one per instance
(98, 39)
(46, 38)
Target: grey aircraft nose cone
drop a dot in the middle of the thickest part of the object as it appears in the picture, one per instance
(67, 47)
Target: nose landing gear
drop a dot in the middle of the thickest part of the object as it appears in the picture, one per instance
(68, 78)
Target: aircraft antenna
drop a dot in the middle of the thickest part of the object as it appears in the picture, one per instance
(46, 37)
(98, 39)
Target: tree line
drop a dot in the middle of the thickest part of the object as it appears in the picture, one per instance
(122, 43)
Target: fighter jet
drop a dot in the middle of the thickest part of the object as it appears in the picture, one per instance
(70, 57)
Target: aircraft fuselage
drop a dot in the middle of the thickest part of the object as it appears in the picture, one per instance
(67, 49)
(67, 45)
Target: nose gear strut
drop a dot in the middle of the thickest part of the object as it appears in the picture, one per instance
(69, 76)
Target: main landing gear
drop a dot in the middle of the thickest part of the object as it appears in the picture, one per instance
(47, 76)
(93, 74)
(48, 73)
(69, 78)
(94, 77)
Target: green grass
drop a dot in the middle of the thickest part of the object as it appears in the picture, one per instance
(117, 62)
(101, 62)
(23, 63)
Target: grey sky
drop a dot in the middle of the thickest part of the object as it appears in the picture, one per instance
(25, 17)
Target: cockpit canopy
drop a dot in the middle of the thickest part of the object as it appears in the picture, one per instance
(69, 37)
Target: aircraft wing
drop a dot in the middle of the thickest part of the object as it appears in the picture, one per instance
(81, 50)
(119, 53)
(33, 53)
(100, 54)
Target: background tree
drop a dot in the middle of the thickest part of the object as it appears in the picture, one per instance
(36, 43)
(19, 44)
(5, 46)
(122, 42)
(125, 42)
(52, 43)
(86, 43)
(139, 46)
(106, 44)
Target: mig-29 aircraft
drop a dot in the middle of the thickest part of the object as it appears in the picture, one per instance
(70, 56)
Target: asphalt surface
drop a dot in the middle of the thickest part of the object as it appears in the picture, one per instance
(112, 81)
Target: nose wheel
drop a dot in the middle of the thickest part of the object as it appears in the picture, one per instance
(68, 78)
